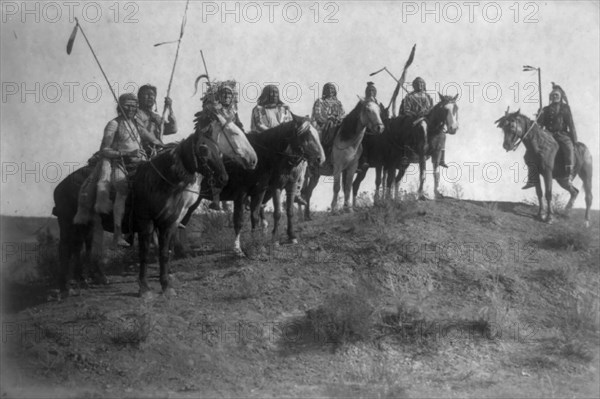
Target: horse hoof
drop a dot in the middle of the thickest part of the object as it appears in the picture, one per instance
(348, 209)
(439, 196)
(422, 197)
(586, 224)
(146, 294)
(549, 220)
(276, 244)
(169, 293)
(294, 241)
(239, 253)
(100, 279)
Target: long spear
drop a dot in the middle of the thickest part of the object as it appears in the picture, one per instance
(70, 48)
(183, 21)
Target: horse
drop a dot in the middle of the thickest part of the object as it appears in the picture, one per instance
(345, 153)
(231, 141)
(164, 189)
(548, 162)
(279, 149)
(404, 142)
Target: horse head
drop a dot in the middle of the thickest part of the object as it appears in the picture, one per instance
(213, 122)
(209, 161)
(306, 140)
(514, 127)
(370, 116)
(445, 113)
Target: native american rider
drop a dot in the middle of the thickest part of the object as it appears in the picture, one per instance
(225, 93)
(558, 120)
(120, 153)
(150, 120)
(269, 112)
(416, 105)
(327, 114)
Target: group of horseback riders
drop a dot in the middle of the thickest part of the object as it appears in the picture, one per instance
(136, 134)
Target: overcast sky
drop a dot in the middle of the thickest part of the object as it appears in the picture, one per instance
(55, 107)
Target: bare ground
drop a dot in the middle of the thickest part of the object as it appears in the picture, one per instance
(413, 299)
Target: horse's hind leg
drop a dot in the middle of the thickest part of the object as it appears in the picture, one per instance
(238, 222)
(566, 184)
(313, 180)
(586, 176)
(164, 242)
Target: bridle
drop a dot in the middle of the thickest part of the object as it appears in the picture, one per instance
(521, 138)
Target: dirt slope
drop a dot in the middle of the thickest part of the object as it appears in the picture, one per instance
(413, 299)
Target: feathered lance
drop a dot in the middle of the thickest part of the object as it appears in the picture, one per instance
(183, 21)
(399, 82)
(70, 43)
(527, 68)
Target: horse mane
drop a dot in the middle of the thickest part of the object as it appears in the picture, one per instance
(349, 123)
(170, 164)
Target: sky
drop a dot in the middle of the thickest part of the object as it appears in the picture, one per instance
(55, 106)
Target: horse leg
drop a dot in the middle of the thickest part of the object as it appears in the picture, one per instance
(144, 237)
(390, 172)
(586, 176)
(436, 176)
(289, 211)
(548, 186)
(164, 240)
(313, 180)
(276, 216)
(356, 185)
(336, 191)
(348, 175)
(238, 221)
(566, 184)
(97, 249)
(378, 170)
(401, 171)
(422, 169)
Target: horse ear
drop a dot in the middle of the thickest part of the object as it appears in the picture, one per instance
(507, 110)
(518, 112)
(361, 99)
(442, 98)
(455, 97)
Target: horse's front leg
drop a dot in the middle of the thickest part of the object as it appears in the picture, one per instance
(276, 215)
(312, 178)
(436, 176)
(356, 185)
(348, 175)
(289, 211)
(144, 235)
(548, 185)
(255, 208)
(336, 191)
(422, 170)
(238, 222)
(378, 170)
(165, 235)
(390, 175)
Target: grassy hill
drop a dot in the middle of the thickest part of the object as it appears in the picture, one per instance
(401, 299)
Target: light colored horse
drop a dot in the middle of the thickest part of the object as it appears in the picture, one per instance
(347, 147)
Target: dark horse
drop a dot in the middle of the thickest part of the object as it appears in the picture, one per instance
(73, 236)
(404, 142)
(548, 160)
(164, 189)
(278, 150)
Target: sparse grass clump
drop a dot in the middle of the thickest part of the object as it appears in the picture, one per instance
(567, 238)
(133, 331)
(347, 316)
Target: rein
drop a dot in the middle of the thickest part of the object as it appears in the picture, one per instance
(210, 178)
(523, 137)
